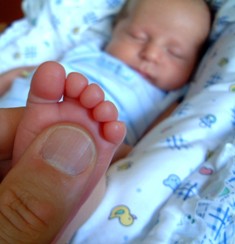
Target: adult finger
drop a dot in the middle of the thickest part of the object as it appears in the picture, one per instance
(44, 188)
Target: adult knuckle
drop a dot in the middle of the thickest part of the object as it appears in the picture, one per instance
(18, 218)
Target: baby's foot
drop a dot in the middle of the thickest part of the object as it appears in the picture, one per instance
(81, 104)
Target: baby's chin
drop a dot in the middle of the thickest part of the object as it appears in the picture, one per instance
(144, 75)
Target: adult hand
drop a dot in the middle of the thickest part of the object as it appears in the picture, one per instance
(36, 199)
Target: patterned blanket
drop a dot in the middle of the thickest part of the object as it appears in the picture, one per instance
(178, 185)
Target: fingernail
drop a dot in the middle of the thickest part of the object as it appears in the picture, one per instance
(69, 149)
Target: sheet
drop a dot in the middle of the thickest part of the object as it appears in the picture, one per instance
(178, 184)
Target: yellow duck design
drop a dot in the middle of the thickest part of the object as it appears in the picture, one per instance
(125, 166)
(232, 88)
(124, 215)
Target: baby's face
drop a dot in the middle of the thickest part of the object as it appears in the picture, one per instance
(161, 39)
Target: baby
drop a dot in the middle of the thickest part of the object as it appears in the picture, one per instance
(155, 38)
(152, 51)
(162, 40)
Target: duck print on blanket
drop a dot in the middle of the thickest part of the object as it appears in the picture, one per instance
(123, 214)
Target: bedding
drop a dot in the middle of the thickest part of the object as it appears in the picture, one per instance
(177, 186)
(179, 180)
(23, 43)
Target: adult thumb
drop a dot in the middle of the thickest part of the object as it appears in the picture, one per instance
(43, 189)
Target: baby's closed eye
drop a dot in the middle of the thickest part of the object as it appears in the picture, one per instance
(138, 36)
(176, 52)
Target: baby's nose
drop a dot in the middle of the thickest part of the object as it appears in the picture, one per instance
(151, 52)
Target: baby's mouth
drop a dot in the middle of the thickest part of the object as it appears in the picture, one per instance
(144, 74)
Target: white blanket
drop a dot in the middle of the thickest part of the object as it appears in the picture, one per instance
(176, 186)
(62, 24)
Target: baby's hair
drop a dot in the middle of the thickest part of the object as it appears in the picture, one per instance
(123, 13)
(124, 10)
